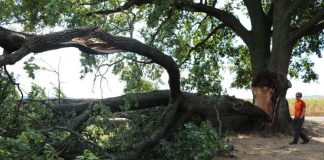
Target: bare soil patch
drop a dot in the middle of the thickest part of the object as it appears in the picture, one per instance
(257, 147)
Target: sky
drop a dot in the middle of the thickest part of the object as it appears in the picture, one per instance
(69, 61)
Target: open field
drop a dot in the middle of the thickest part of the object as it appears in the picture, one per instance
(315, 106)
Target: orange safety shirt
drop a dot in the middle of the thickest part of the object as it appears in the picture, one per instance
(299, 108)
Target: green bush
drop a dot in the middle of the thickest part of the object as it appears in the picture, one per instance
(27, 145)
(194, 142)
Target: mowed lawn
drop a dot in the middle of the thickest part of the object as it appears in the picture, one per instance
(315, 106)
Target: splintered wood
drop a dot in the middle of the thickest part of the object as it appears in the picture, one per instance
(263, 97)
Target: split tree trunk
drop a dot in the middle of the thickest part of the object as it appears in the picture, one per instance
(269, 91)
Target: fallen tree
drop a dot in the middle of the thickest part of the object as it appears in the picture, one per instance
(234, 114)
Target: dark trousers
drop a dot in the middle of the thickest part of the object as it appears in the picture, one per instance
(298, 122)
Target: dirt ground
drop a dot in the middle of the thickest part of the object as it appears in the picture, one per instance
(257, 147)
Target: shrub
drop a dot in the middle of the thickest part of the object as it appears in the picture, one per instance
(196, 142)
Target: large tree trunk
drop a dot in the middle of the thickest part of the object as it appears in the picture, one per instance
(270, 82)
(235, 114)
(269, 90)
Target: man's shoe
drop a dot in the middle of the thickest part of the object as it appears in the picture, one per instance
(305, 142)
(292, 143)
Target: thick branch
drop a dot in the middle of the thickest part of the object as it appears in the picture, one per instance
(255, 11)
(227, 18)
(313, 26)
(295, 5)
(41, 43)
(127, 5)
(143, 100)
(225, 104)
(11, 40)
(76, 37)
(132, 45)
(270, 13)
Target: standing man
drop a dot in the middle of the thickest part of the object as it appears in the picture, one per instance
(299, 117)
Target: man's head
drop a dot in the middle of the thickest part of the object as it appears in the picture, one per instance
(298, 95)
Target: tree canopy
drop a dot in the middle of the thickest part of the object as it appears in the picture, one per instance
(197, 34)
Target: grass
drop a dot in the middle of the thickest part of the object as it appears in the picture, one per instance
(315, 106)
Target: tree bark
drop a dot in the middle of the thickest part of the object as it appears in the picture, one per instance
(235, 114)
(270, 95)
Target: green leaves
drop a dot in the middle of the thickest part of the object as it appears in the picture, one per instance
(22, 147)
(88, 62)
(241, 66)
(8, 92)
(158, 8)
(37, 92)
(301, 65)
(205, 78)
(87, 155)
(198, 142)
(134, 82)
(303, 68)
(30, 67)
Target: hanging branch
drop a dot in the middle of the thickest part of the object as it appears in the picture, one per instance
(16, 84)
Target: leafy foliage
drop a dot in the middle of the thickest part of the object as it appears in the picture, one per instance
(178, 32)
(25, 145)
(7, 90)
(302, 66)
(87, 155)
(26, 131)
(30, 67)
(242, 67)
(20, 136)
(134, 83)
(197, 142)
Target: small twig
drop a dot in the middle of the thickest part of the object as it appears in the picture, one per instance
(201, 43)
(57, 72)
(14, 83)
(21, 93)
(218, 119)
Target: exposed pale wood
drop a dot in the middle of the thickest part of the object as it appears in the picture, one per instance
(263, 96)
